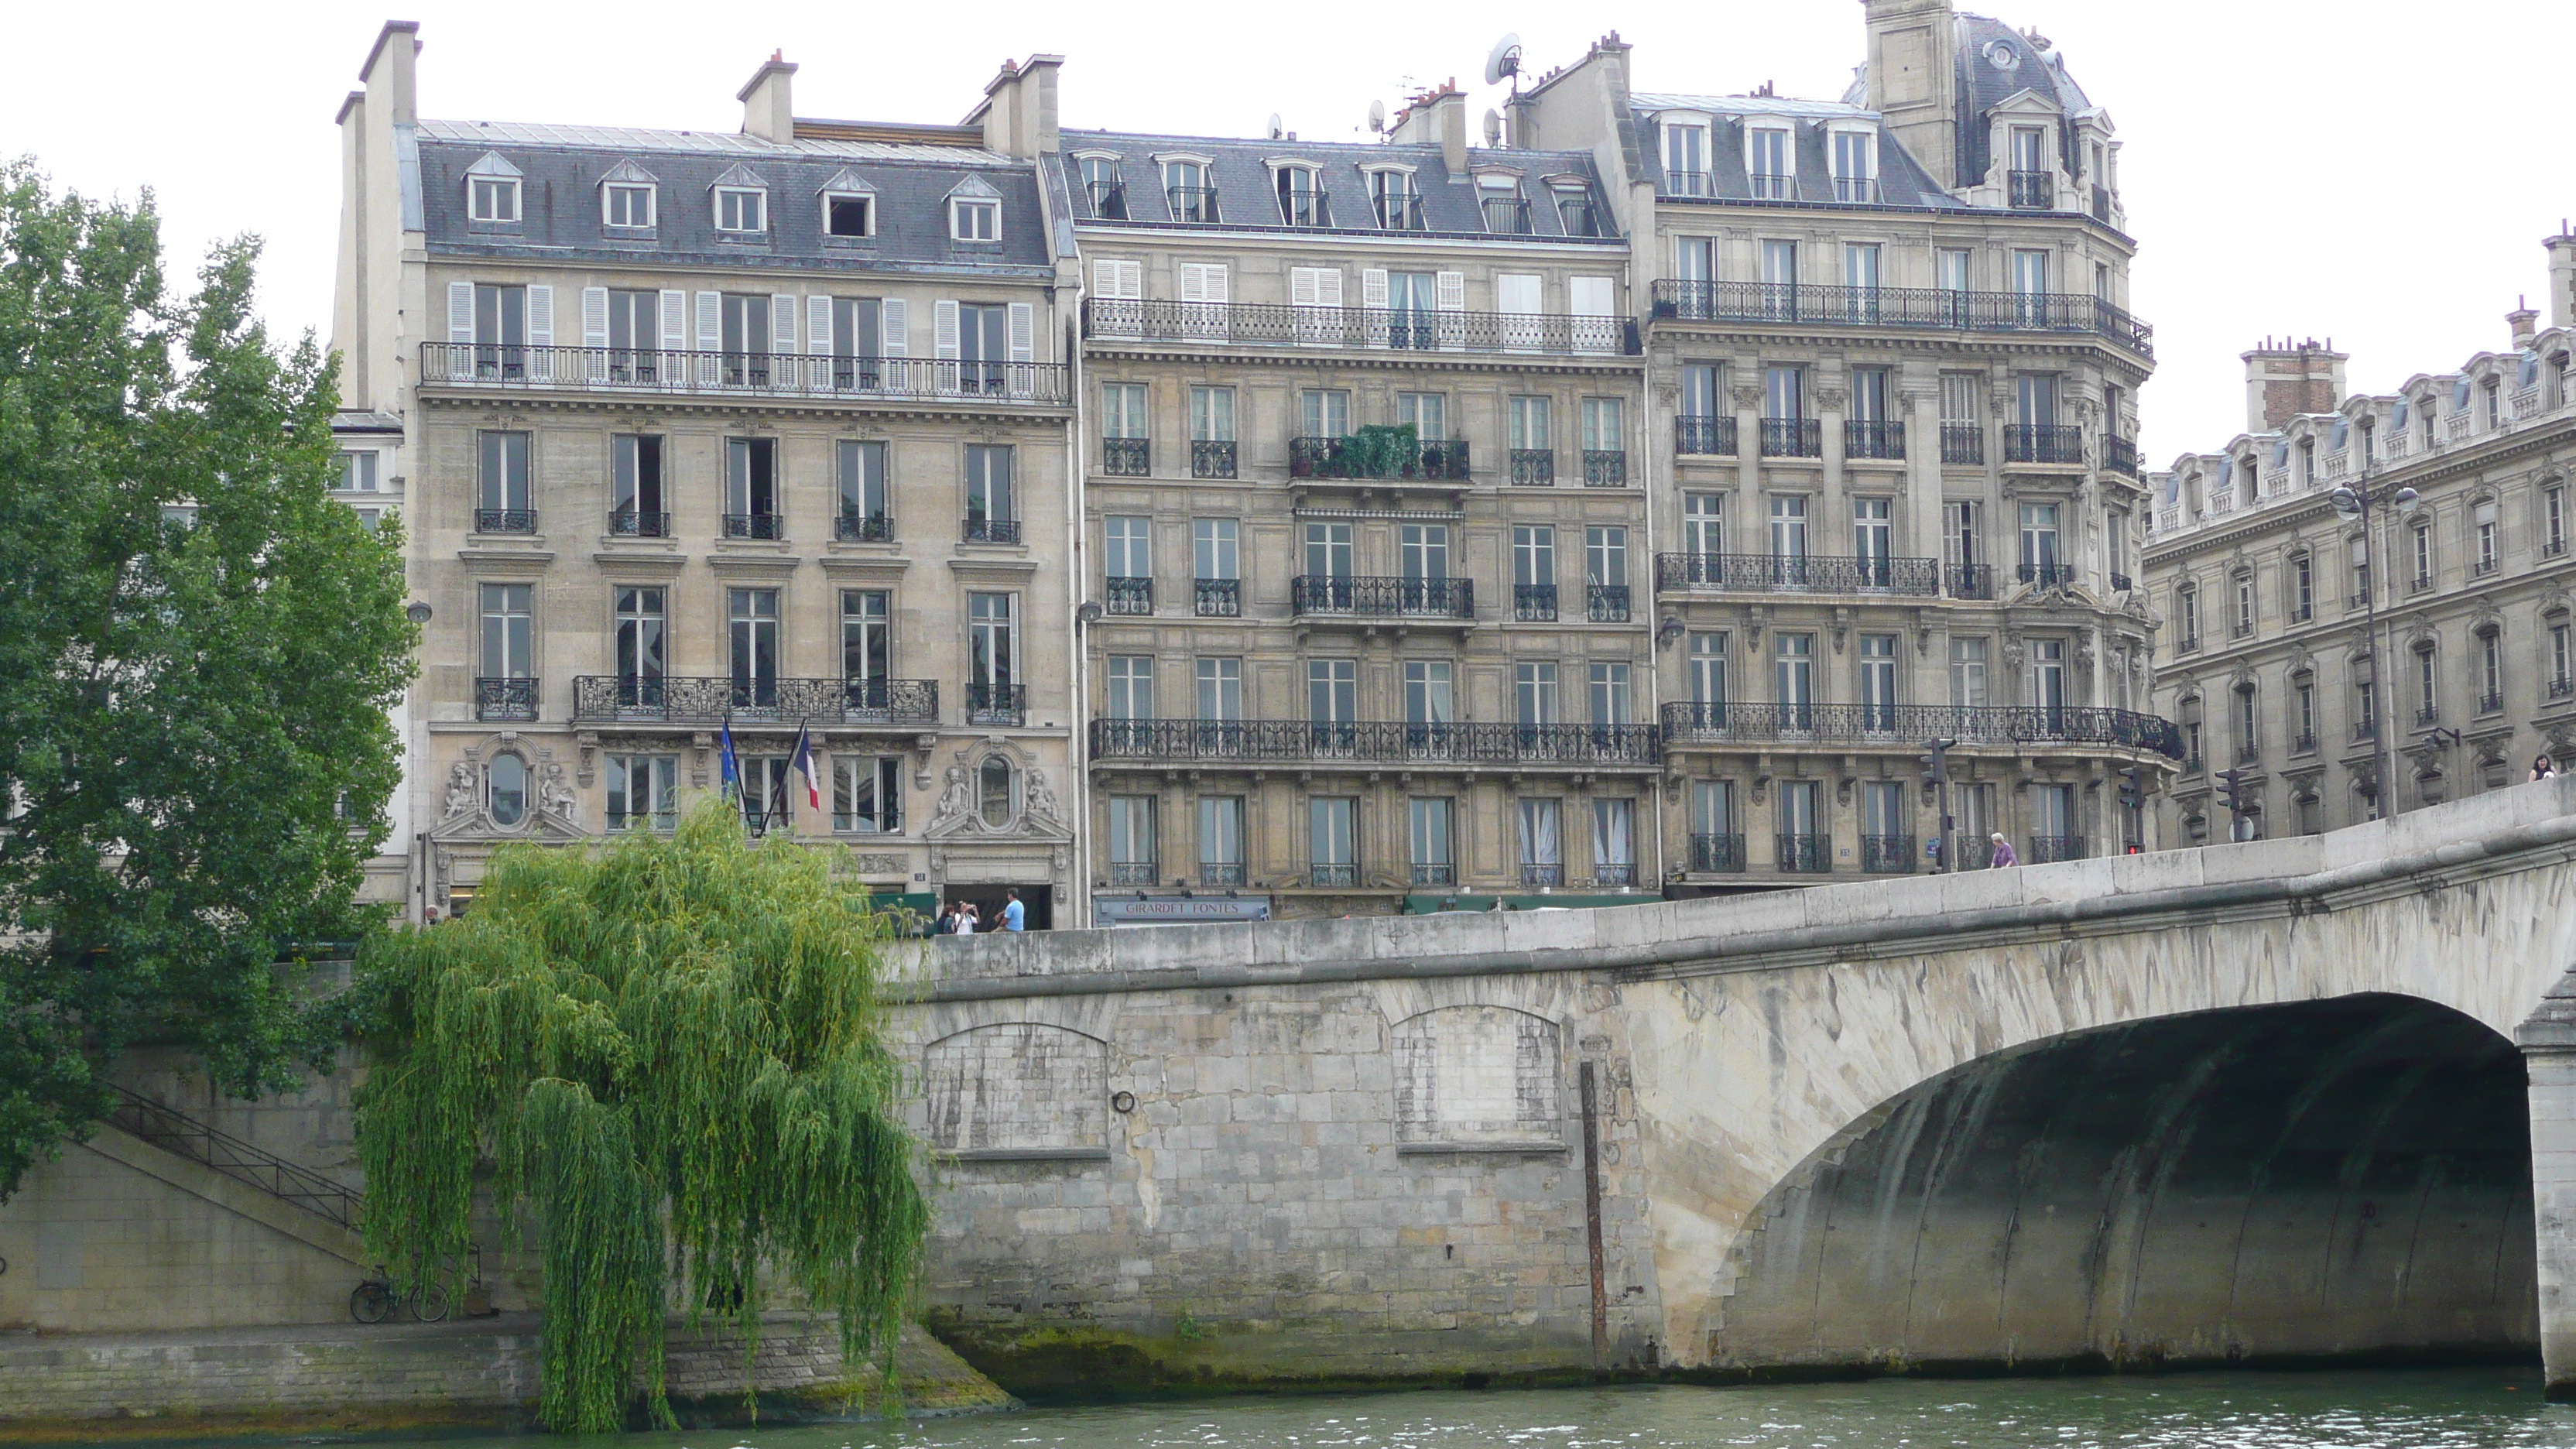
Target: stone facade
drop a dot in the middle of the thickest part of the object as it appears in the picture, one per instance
(2267, 658)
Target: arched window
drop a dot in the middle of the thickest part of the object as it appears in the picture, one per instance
(506, 790)
(993, 790)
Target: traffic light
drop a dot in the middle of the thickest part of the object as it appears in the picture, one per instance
(2133, 795)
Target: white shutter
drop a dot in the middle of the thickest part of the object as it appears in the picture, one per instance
(1328, 286)
(541, 333)
(1303, 284)
(1117, 298)
(1193, 281)
(1205, 287)
(1450, 289)
(1520, 298)
(594, 334)
(675, 321)
(818, 326)
(943, 342)
(894, 327)
(1024, 349)
(782, 318)
(710, 336)
(460, 328)
(1118, 279)
(1312, 290)
(1596, 327)
(1373, 299)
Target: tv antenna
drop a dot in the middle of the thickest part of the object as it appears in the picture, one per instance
(1504, 60)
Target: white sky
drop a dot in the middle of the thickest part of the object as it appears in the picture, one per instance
(2374, 172)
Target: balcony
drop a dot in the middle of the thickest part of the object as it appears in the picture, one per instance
(1305, 206)
(2047, 848)
(1108, 199)
(1614, 875)
(1134, 873)
(1704, 435)
(1507, 215)
(1128, 595)
(1858, 190)
(979, 529)
(1773, 186)
(1543, 877)
(629, 523)
(1212, 458)
(1717, 853)
(1606, 603)
(2043, 443)
(1887, 854)
(1910, 308)
(1256, 742)
(1379, 453)
(2047, 575)
(2032, 190)
(1765, 573)
(1963, 444)
(1127, 457)
(997, 704)
(855, 527)
(1707, 722)
(1605, 468)
(1969, 581)
(1217, 598)
(1270, 324)
(2120, 455)
(1343, 874)
(1434, 873)
(1580, 218)
(1391, 598)
(1221, 874)
(1534, 603)
(1793, 438)
(1873, 439)
(676, 700)
(1534, 467)
(514, 698)
(1193, 204)
(753, 525)
(505, 520)
(1803, 854)
(681, 372)
(1687, 183)
(1397, 211)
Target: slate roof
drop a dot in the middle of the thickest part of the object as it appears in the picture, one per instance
(561, 217)
(1246, 201)
(1901, 181)
(1984, 85)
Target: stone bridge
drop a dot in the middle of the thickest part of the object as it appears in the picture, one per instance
(2249, 1103)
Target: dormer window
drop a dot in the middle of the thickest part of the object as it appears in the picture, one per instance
(975, 211)
(1855, 166)
(741, 209)
(2033, 187)
(1506, 210)
(1392, 197)
(1770, 159)
(849, 213)
(1575, 212)
(1686, 159)
(1301, 197)
(1101, 186)
(628, 207)
(1189, 189)
(492, 191)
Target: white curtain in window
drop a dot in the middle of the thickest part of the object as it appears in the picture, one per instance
(1540, 836)
(1612, 841)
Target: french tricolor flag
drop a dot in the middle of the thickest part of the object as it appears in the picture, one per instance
(805, 766)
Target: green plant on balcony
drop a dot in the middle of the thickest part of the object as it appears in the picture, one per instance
(1380, 450)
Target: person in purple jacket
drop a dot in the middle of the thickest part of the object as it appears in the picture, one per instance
(2003, 855)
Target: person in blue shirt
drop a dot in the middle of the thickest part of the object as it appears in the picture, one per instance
(1014, 915)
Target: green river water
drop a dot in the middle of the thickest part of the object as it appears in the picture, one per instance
(2497, 1408)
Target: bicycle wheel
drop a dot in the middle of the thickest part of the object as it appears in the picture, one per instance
(429, 1304)
(370, 1301)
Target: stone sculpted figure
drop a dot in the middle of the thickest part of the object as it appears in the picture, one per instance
(958, 800)
(460, 790)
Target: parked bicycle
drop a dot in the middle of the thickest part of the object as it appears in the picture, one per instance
(375, 1300)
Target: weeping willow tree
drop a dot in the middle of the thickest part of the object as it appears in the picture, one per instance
(665, 1054)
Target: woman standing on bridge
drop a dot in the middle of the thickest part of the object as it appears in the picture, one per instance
(2541, 768)
(2003, 853)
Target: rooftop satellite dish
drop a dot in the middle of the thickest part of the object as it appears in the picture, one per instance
(1505, 60)
(1377, 115)
(1493, 128)
(1277, 130)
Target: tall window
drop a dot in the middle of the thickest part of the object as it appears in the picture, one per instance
(1433, 843)
(992, 662)
(988, 483)
(746, 337)
(1968, 673)
(1328, 550)
(2428, 698)
(505, 505)
(1122, 429)
(1427, 413)
(2244, 605)
(1323, 413)
(1784, 393)
(1614, 842)
(867, 641)
(1129, 551)
(1131, 686)
(2303, 703)
(1612, 703)
(1542, 842)
(1878, 681)
(2560, 660)
(1332, 691)
(1605, 568)
(640, 657)
(1220, 690)
(1332, 839)
(867, 794)
(1212, 450)
(751, 488)
(1708, 670)
(751, 627)
(509, 636)
(1686, 160)
(1788, 525)
(1604, 426)
(1873, 537)
(2048, 675)
(2490, 672)
(1530, 432)
(1221, 840)
(2488, 550)
(1428, 695)
(2249, 730)
(2423, 552)
(2303, 588)
(2553, 521)
(859, 325)
(2039, 540)
(1534, 693)
(1131, 840)
(1768, 152)
(635, 502)
(1214, 553)
(1424, 549)
(1794, 678)
(1855, 168)
(860, 470)
(1534, 571)
(1703, 523)
(643, 792)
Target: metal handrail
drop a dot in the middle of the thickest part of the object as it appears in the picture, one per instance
(1705, 721)
(1904, 307)
(178, 1133)
(1373, 740)
(685, 699)
(1798, 573)
(766, 374)
(1273, 324)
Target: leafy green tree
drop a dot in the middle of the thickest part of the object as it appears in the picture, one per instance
(667, 1051)
(197, 648)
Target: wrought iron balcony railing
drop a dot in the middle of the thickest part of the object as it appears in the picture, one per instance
(2046, 848)
(1903, 307)
(1606, 603)
(2043, 443)
(1887, 854)
(1798, 573)
(1217, 598)
(1703, 721)
(1134, 873)
(1534, 467)
(1397, 212)
(1385, 597)
(1547, 876)
(864, 528)
(1716, 852)
(1605, 468)
(505, 698)
(1534, 603)
(1580, 218)
(1688, 183)
(1774, 186)
(1507, 215)
(1126, 457)
(2047, 575)
(1305, 206)
(1192, 204)
(1108, 199)
(1793, 437)
(1333, 873)
(1378, 741)
(628, 523)
(1365, 457)
(765, 374)
(979, 529)
(1271, 324)
(1212, 457)
(753, 525)
(2120, 455)
(1221, 873)
(997, 704)
(1435, 873)
(1803, 854)
(699, 700)
(2033, 191)
(1709, 435)
(1963, 443)
(1884, 438)
(1614, 874)
(1856, 188)
(505, 520)
(1969, 581)
(1128, 595)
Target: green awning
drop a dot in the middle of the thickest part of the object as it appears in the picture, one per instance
(1424, 905)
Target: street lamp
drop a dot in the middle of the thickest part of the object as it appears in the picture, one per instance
(2355, 502)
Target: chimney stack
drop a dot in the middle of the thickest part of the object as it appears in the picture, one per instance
(1436, 117)
(2524, 322)
(391, 64)
(767, 108)
(1018, 112)
(2284, 379)
(1914, 81)
(2562, 278)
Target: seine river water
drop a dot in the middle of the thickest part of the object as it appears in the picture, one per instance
(2473, 1409)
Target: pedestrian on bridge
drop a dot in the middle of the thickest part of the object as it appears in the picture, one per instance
(2003, 853)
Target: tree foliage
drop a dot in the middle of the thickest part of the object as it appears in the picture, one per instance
(666, 1051)
(197, 649)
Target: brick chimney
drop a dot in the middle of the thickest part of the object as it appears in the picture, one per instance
(2284, 379)
(1913, 80)
(767, 108)
(2524, 322)
(1436, 117)
(1018, 112)
(2562, 278)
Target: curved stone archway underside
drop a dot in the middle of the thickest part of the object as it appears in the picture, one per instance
(2324, 1179)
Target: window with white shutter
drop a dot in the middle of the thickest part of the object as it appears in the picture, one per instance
(710, 336)
(895, 316)
(1373, 303)
(1316, 293)
(1205, 290)
(1594, 303)
(1117, 298)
